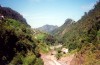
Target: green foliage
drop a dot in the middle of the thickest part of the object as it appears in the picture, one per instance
(39, 62)
(16, 40)
(98, 33)
(17, 59)
(72, 47)
(43, 44)
(58, 55)
(13, 22)
(40, 36)
(45, 38)
(29, 59)
(43, 47)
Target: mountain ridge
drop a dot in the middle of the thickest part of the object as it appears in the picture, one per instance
(64, 27)
(47, 28)
(10, 13)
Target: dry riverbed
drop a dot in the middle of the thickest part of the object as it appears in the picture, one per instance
(51, 59)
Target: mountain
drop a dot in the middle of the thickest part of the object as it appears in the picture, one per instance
(47, 28)
(10, 13)
(60, 31)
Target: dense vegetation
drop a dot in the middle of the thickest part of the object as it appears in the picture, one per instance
(84, 36)
(17, 46)
(20, 44)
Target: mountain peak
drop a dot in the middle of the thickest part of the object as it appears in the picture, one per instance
(68, 21)
(47, 28)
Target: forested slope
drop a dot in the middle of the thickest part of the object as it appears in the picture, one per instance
(83, 36)
(17, 44)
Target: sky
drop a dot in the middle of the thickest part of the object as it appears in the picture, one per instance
(52, 12)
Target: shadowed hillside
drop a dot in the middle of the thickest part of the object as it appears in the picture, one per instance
(9, 13)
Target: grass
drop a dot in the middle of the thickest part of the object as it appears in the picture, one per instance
(40, 36)
(29, 59)
(43, 48)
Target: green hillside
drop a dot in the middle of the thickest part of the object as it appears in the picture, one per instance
(83, 35)
(17, 47)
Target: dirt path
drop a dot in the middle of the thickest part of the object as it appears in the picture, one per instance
(51, 60)
(66, 60)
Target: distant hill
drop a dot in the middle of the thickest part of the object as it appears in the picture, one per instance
(47, 28)
(64, 28)
(10, 13)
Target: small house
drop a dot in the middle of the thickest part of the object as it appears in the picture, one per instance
(1, 17)
(64, 50)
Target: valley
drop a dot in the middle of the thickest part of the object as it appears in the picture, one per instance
(73, 43)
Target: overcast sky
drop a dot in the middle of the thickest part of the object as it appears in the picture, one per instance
(53, 12)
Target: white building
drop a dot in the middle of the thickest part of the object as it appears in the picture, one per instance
(64, 50)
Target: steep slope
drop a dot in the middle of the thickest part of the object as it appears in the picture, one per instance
(88, 29)
(47, 28)
(61, 30)
(84, 36)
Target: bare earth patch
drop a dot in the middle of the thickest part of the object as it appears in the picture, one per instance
(51, 59)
